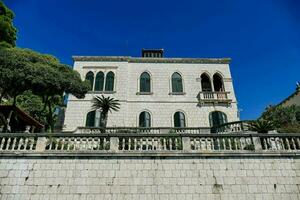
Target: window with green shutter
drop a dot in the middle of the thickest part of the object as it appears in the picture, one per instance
(145, 82)
(177, 83)
(179, 119)
(217, 118)
(99, 82)
(90, 78)
(109, 83)
(145, 119)
(90, 119)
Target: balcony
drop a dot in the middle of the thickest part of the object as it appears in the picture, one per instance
(214, 97)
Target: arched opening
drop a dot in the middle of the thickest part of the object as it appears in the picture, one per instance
(217, 118)
(90, 119)
(109, 83)
(99, 82)
(179, 119)
(177, 83)
(145, 82)
(93, 119)
(205, 83)
(90, 78)
(218, 83)
(145, 119)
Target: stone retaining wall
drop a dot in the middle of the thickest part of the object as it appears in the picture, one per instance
(150, 178)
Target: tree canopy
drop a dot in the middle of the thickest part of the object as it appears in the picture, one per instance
(8, 33)
(284, 118)
(23, 69)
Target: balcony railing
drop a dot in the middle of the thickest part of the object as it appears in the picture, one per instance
(141, 130)
(214, 97)
(232, 127)
(134, 144)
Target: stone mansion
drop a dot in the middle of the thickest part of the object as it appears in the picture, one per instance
(155, 91)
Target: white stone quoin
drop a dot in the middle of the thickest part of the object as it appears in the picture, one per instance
(160, 102)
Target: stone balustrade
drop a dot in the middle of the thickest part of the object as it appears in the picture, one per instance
(214, 97)
(175, 144)
(143, 130)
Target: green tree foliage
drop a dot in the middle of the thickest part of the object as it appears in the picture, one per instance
(8, 33)
(284, 118)
(23, 69)
(105, 105)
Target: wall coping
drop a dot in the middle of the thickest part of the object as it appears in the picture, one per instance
(152, 60)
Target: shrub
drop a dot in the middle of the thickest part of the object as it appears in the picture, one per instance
(261, 126)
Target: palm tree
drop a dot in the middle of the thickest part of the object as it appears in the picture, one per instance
(105, 105)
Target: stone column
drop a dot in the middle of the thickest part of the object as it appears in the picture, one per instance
(186, 144)
(114, 144)
(41, 144)
(256, 142)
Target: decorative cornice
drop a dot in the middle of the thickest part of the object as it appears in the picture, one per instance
(152, 60)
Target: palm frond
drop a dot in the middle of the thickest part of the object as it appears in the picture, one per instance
(261, 126)
(105, 104)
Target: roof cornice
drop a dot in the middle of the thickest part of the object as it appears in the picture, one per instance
(152, 60)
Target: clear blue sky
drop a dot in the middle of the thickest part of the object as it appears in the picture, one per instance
(261, 36)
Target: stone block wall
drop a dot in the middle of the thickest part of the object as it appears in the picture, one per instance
(217, 178)
(161, 104)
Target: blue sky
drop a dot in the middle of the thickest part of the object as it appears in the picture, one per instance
(261, 37)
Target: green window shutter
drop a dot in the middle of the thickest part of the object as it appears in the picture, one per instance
(217, 118)
(177, 83)
(145, 82)
(99, 81)
(109, 83)
(90, 119)
(90, 78)
(145, 119)
(179, 119)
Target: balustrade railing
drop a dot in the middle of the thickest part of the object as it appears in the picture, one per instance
(143, 144)
(141, 130)
(232, 127)
(214, 96)
(18, 142)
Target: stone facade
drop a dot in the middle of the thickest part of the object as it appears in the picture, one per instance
(160, 103)
(215, 178)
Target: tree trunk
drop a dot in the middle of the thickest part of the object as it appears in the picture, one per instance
(103, 120)
(50, 117)
(8, 128)
(15, 100)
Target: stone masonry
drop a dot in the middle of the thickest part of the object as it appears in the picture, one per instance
(217, 178)
(161, 104)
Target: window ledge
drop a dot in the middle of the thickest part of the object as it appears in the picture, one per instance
(101, 92)
(144, 93)
(177, 93)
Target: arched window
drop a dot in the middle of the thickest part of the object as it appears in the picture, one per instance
(179, 119)
(205, 83)
(99, 83)
(145, 119)
(218, 83)
(90, 78)
(145, 83)
(177, 82)
(109, 83)
(93, 118)
(217, 118)
(90, 119)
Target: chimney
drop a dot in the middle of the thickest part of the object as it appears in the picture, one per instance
(152, 53)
